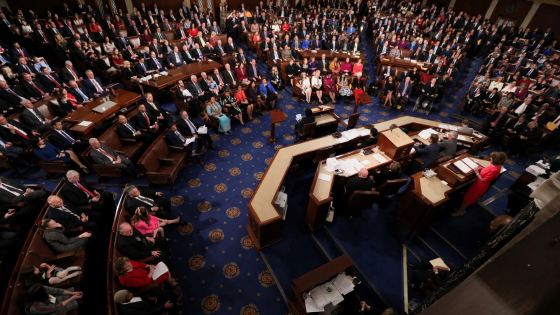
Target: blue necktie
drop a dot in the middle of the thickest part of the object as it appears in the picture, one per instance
(82, 94)
(3, 60)
(130, 127)
(65, 135)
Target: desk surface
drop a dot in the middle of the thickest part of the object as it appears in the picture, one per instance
(86, 113)
(265, 193)
(182, 73)
(433, 189)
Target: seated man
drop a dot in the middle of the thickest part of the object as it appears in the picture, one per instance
(14, 153)
(309, 118)
(428, 154)
(11, 192)
(126, 129)
(154, 302)
(175, 138)
(156, 110)
(33, 87)
(448, 144)
(190, 129)
(82, 95)
(381, 176)
(81, 193)
(429, 92)
(70, 218)
(369, 141)
(33, 119)
(185, 96)
(144, 120)
(403, 93)
(175, 59)
(147, 198)
(360, 183)
(495, 122)
(421, 273)
(65, 139)
(527, 138)
(512, 128)
(103, 155)
(13, 131)
(465, 127)
(136, 246)
(94, 85)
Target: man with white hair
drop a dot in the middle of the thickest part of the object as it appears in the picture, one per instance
(93, 85)
(132, 244)
(196, 90)
(69, 73)
(81, 193)
(448, 143)
(360, 183)
(33, 119)
(13, 95)
(103, 155)
(68, 217)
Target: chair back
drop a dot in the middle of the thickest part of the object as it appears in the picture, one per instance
(353, 120)
(459, 153)
(362, 199)
(323, 154)
(391, 187)
(309, 129)
(439, 161)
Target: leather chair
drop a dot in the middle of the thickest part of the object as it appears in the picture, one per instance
(361, 199)
(459, 153)
(101, 170)
(391, 187)
(307, 133)
(161, 165)
(323, 154)
(54, 167)
(351, 122)
(440, 161)
(181, 105)
(126, 146)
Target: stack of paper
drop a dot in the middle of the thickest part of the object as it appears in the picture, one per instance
(443, 126)
(324, 177)
(453, 127)
(534, 185)
(351, 134)
(438, 262)
(190, 140)
(161, 268)
(343, 284)
(332, 164)
(85, 123)
(342, 140)
(470, 163)
(424, 134)
(535, 170)
(348, 168)
(462, 138)
(380, 158)
(462, 166)
(543, 164)
(202, 130)
(355, 163)
(319, 297)
(164, 73)
(364, 132)
(311, 306)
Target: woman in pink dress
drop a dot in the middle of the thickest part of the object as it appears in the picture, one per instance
(358, 67)
(481, 184)
(146, 223)
(346, 66)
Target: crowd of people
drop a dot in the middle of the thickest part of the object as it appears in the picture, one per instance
(515, 90)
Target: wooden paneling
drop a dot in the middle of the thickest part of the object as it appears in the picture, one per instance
(519, 14)
(41, 7)
(441, 3)
(473, 7)
(545, 17)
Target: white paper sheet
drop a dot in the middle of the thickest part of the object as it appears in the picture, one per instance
(462, 138)
(161, 268)
(333, 162)
(534, 185)
(343, 283)
(324, 177)
(350, 134)
(342, 140)
(380, 158)
(85, 123)
(462, 166)
(364, 132)
(366, 162)
(190, 140)
(202, 130)
(329, 168)
(453, 127)
(535, 170)
(443, 126)
(470, 163)
(311, 306)
(424, 134)
(319, 297)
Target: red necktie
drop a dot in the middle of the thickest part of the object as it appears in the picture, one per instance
(97, 85)
(107, 154)
(41, 32)
(84, 189)
(137, 33)
(74, 74)
(38, 89)
(54, 81)
(220, 78)
(21, 53)
(168, 27)
(146, 117)
(16, 130)
(497, 119)
(183, 33)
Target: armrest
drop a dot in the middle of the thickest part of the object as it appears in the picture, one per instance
(149, 288)
(419, 161)
(61, 256)
(166, 161)
(128, 140)
(176, 149)
(35, 186)
(74, 230)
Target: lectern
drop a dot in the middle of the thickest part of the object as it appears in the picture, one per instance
(395, 143)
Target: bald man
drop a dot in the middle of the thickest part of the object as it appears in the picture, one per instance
(361, 183)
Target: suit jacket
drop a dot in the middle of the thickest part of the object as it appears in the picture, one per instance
(500, 122)
(67, 76)
(402, 91)
(20, 69)
(534, 73)
(91, 87)
(68, 31)
(140, 70)
(368, 142)
(140, 121)
(229, 77)
(132, 203)
(67, 220)
(428, 153)
(75, 195)
(41, 39)
(124, 132)
(173, 139)
(31, 120)
(196, 55)
(47, 83)
(447, 147)
(185, 129)
(59, 141)
(153, 66)
(229, 49)
(251, 72)
(34, 90)
(121, 43)
(514, 126)
(172, 59)
(356, 183)
(6, 197)
(100, 158)
(304, 120)
(135, 246)
(16, 53)
(12, 99)
(77, 95)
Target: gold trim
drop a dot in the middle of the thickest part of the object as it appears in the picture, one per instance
(405, 278)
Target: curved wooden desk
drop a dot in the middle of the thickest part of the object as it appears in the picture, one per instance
(265, 223)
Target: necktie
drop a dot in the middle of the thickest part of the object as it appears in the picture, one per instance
(73, 74)
(157, 63)
(149, 201)
(85, 190)
(146, 117)
(43, 35)
(14, 190)
(64, 209)
(97, 86)
(557, 120)
(112, 158)
(255, 70)
(530, 71)
(221, 51)
(53, 80)
(183, 139)
(14, 93)
(220, 78)
(200, 54)
(191, 126)
(82, 94)
(497, 119)
(67, 136)
(137, 33)
(183, 33)
(130, 127)
(21, 53)
(38, 89)
(37, 114)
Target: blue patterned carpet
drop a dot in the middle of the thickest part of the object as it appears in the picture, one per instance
(222, 273)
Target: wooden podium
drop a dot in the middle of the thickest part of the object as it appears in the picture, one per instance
(395, 143)
(277, 116)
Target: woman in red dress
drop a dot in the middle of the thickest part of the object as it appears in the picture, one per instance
(138, 275)
(484, 177)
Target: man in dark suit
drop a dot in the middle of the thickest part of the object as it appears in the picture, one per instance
(427, 153)
(373, 133)
(136, 246)
(186, 54)
(145, 121)
(230, 77)
(154, 302)
(126, 129)
(18, 51)
(511, 129)
(495, 122)
(527, 138)
(69, 29)
(14, 131)
(81, 193)
(154, 63)
(197, 91)
(429, 92)
(317, 43)
(33, 119)
(33, 87)
(22, 67)
(189, 128)
(122, 42)
(155, 109)
(65, 139)
(103, 155)
(69, 73)
(363, 182)
(403, 93)
(81, 94)
(323, 65)
(175, 59)
(11, 192)
(253, 72)
(175, 138)
(430, 57)
(50, 80)
(309, 118)
(129, 54)
(154, 201)
(69, 217)
(134, 30)
(94, 85)
(231, 47)
(199, 53)
(14, 153)
(383, 50)
(532, 72)
(40, 35)
(13, 95)
(142, 68)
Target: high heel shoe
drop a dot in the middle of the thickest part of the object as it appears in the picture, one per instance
(181, 222)
(85, 170)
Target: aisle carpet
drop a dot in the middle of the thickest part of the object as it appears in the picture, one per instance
(219, 268)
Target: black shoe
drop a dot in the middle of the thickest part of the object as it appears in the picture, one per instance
(181, 222)
(213, 147)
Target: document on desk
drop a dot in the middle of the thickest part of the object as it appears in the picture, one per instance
(462, 138)
(332, 294)
(534, 185)
(333, 162)
(453, 127)
(342, 140)
(202, 130)
(348, 168)
(366, 162)
(470, 163)
(380, 158)
(424, 134)
(355, 163)
(311, 306)
(535, 170)
(351, 134)
(318, 295)
(85, 123)
(343, 283)
(324, 177)
(462, 166)
(443, 126)
(364, 132)
(161, 268)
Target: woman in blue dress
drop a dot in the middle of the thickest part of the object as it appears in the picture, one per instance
(47, 152)
(214, 109)
(305, 44)
(312, 66)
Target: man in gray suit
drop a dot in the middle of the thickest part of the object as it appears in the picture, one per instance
(465, 127)
(103, 155)
(428, 154)
(33, 119)
(449, 144)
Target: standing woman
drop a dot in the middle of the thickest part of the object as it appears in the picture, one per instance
(316, 84)
(268, 93)
(484, 176)
(276, 79)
